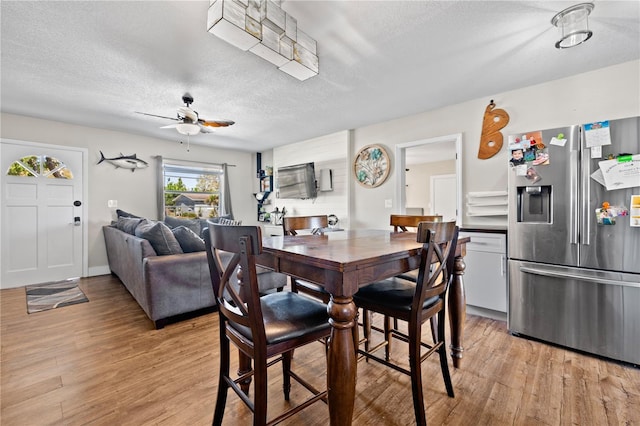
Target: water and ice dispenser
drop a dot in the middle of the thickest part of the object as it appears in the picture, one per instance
(534, 204)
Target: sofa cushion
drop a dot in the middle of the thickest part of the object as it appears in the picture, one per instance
(122, 213)
(174, 222)
(160, 237)
(128, 224)
(189, 241)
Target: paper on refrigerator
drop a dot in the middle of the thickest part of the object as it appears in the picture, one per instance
(620, 174)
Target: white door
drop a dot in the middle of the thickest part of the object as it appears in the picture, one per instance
(42, 213)
(443, 196)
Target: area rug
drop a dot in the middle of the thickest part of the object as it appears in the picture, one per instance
(51, 295)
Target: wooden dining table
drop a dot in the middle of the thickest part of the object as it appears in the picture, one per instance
(342, 262)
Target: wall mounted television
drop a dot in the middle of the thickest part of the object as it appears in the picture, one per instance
(297, 181)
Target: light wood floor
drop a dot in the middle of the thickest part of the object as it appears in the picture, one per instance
(102, 363)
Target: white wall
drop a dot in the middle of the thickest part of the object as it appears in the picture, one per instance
(135, 192)
(608, 93)
(327, 152)
(418, 182)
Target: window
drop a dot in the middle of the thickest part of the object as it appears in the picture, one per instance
(40, 166)
(192, 190)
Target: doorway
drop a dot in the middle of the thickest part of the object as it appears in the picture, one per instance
(42, 213)
(418, 155)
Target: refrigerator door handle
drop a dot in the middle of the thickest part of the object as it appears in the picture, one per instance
(584, 198)
(573, 189)
(554, 274)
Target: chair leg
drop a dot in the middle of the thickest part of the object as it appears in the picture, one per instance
(442, 351)
(260, 391)
(286, 374)
(434, 328)
(223, 387)
(388, 333)
(244, 366)
(366, 329)
(416, 375)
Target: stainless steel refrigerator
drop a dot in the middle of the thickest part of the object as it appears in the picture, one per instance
(572, 281)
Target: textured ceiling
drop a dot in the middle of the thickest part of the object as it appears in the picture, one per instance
(95, 63)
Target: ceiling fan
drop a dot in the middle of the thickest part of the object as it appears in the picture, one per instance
(188, 121)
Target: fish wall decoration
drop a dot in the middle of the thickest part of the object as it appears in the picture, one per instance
(491, 138)
(125, 161)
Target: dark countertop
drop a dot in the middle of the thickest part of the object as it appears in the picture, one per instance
(489, 229)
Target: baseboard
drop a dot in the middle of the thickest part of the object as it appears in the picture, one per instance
(488, 313)
(99, 270)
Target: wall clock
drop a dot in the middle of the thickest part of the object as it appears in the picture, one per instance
(371, 166)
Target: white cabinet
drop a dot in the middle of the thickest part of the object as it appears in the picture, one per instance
(485, 277)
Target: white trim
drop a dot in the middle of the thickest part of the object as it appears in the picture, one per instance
(99, 270)
(401, 197)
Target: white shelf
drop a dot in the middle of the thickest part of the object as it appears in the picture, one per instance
(489, 213)
(488, 203)
(487, 194)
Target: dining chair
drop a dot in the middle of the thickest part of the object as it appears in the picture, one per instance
(314, 224)
(401, 223)
(415, 303)
(266, 329)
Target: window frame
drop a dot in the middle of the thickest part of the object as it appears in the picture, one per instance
(182, 169)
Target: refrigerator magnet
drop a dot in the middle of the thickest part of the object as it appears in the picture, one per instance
(604, 217)
(532, 175)
(558, 140)
(517, 157)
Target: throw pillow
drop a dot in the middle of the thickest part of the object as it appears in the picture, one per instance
(128, 224)
(122, 213)
(160, 237)
(189, 241)
(232, 222)
(174, 222)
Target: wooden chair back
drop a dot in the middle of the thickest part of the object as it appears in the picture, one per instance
(237, 294)
(439, 241)
(400, 222)
(315, 224)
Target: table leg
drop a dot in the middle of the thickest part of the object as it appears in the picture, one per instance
(341, 360)
(457, 311)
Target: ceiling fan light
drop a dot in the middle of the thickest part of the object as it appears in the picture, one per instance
(188, 129)
(573, 23)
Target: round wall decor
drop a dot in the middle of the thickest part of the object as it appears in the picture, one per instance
(371, 166)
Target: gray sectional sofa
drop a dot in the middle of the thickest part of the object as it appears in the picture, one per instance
(167, 287)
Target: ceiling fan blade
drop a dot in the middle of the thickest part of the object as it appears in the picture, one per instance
(205, 129)
(216, 123)
(154, 115)
(170, 126)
